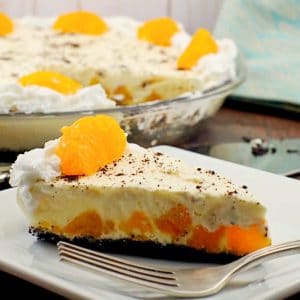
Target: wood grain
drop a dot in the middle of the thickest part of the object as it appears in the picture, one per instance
(230, 125)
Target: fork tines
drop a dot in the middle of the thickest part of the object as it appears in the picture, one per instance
(192, 282)
(125, 269)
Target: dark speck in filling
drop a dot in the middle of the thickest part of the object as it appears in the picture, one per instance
(5, 58)
(100, 73)
(71, 178)
(158, 154)
(67, 61)
(120, 174)
(74, 45)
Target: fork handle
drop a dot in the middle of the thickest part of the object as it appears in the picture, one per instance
(253, 259)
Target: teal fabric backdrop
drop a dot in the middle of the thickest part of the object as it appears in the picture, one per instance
(267, 33)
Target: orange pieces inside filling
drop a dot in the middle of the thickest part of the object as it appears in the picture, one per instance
(203, 239)
(241, 241)
(51, 80)
(202, 43)
(81, 22)
(121, 95)
(158, 31)
(233, 239)
(88, 223)
(6, 24)
(176, 222)
(89, 144)
(137, 224)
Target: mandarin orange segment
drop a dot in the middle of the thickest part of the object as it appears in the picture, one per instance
(158, 31)
(176, 222)
(241, 241)
(203, 239)
(153, 97)
(51, 80)
(88, 223)
(125, 95)
(89, 144)
(81, 22)
(6, 24)
(109, 226)
(137, 221)
(202, 43)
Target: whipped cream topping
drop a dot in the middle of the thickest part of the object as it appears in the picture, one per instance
(30, 99)
(40, 164)
(124, 25)
(219, 67)
(181, 39)
(34, 165)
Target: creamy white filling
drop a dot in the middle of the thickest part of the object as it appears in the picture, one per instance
(138, 165)
(41, 164)
(30, 99)
(34, 165)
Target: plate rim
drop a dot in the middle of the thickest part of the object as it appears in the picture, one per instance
(54, 284)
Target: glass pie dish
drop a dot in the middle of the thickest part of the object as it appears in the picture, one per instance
(148, 124)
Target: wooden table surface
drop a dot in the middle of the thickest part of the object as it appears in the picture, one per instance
(229, 125)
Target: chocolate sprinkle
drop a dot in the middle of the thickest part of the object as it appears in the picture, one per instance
(70, 178)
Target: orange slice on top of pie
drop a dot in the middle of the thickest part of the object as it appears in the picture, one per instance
(80, 22)
(52, 80)
(6, 24)
(202, 44)
(158, 31)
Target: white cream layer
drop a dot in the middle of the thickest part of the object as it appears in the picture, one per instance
(162, 180)
(34, 165)
(32, 99)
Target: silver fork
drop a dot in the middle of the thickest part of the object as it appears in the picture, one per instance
(193, 282)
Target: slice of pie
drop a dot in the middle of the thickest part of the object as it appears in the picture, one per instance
(91, 187)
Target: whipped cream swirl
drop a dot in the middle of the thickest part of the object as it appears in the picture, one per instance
(31, 99)
(33, 165)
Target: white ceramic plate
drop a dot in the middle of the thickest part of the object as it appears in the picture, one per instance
(37, 262)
